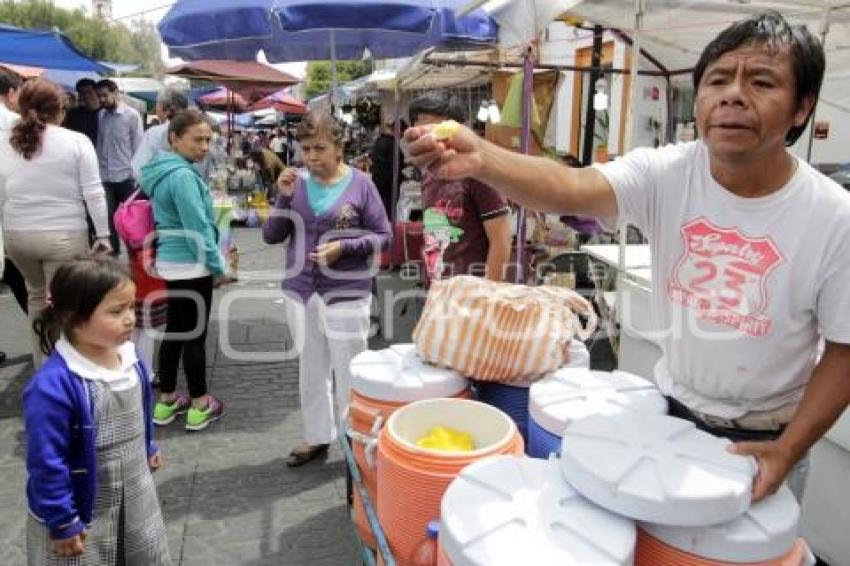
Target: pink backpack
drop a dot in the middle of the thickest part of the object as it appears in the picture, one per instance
(134, 221)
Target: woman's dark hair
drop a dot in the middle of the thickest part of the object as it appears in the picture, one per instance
(9, 81)
(40, 103)
(318, 123)
(774, 32)
(75, 291)
(436, 103)
(184, 120)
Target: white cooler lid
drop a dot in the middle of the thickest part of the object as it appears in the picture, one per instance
(508, 510)
(398, 374)
(766, 531)
(656, 468)
(570, 394)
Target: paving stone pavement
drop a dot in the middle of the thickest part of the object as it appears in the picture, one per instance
(226, 495)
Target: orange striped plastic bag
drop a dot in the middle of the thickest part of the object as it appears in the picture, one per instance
(499, 331)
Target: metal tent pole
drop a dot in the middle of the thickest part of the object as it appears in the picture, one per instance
(824, 31)
(623, 235)
(524, 148)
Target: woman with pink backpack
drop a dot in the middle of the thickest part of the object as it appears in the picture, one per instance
(134, 224)
(188, 258)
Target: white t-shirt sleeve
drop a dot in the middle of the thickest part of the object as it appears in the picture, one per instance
(638, 179)
(833, 300)
(91, 186)
(633, 178)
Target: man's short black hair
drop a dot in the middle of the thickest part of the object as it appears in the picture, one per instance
(9, 81)
(109, 84)
(437, 104)
(83, 83)
(772, 30)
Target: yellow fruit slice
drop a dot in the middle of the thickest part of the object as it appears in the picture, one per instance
(446, 439)
(445, 130)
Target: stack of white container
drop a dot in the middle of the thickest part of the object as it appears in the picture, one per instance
(631, 487)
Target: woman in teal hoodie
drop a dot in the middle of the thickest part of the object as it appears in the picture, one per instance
(188, 258)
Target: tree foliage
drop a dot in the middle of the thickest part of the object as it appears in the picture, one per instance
(136, 43)
(319, 74)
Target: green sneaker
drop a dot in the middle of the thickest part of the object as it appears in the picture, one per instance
(199, 419)
(165, 413)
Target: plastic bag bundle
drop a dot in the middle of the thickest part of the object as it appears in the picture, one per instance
(500, 331)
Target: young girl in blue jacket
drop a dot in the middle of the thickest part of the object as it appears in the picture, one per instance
(90, 450)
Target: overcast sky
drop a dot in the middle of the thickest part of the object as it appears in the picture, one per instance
(124, 8)
(154, 10)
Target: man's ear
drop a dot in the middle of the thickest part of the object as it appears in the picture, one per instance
(804, 109)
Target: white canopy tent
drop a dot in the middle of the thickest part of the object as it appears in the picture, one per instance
(675, 32)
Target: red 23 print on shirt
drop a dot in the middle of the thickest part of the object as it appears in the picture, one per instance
(722, 276)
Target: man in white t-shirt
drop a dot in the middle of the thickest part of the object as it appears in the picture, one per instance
(750, 245)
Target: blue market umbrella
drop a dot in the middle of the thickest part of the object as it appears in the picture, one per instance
(46, 49)
(303, 30)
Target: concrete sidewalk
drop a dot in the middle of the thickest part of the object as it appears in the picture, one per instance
(226, 494)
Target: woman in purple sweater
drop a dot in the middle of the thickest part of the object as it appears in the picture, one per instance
(333, 222)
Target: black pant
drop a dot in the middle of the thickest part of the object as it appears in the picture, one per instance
(116, 193)
(189, 303)
(13, 278)
(735, 434)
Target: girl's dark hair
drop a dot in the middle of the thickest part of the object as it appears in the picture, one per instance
(184, 120)
(774, 32)
(318, 123)
(75, 291)
(40, 103)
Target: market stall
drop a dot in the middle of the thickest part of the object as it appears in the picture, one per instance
(614, 461)
(605, 477)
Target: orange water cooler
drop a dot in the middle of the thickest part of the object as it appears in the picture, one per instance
(381, 382)
(412, 480)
